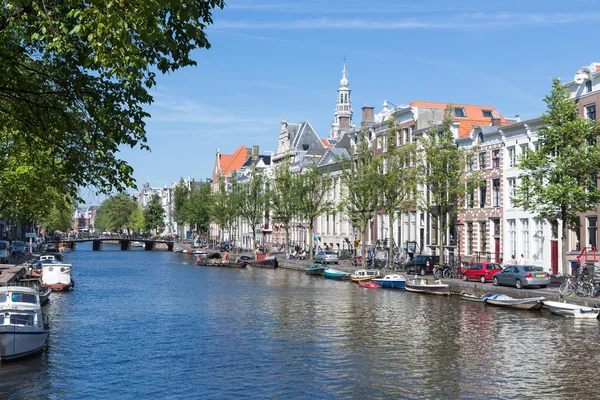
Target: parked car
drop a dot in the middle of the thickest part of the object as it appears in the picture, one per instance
(18, 247)
(326, 257)
(4, 251)
(522, 276)
(482, 272)
(423, 264)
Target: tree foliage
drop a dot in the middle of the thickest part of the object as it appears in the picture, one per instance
(254, 199)
(114, 214)
(359, 175)
(443, 165)
(396, 184)
(226, 203)
(284, 197)
(154, 214)
(74, 80)
(559, 179)
(199, 206)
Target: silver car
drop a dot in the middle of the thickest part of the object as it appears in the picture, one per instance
(522, 276)
(326, 257)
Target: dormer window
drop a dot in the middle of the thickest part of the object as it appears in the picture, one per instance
(487, 113)
(459, 112)
(305, 147)
(588, 86)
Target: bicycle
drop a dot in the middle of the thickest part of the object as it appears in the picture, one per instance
(442, 272)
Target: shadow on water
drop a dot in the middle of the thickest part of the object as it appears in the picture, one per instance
(153, 324)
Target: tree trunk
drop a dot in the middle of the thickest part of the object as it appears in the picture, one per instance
(440, 240)
(363, 244)
(287, 238)
(565, 264)
(311, 241)
(391, 234)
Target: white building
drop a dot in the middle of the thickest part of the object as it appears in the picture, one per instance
(166, 195)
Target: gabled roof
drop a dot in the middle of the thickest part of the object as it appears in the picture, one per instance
(331, 156)
(328, 142)
(474, 115)
(233, 162)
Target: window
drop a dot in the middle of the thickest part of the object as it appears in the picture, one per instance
(482, 160)
(470, 162)
(575, 239)
(379, 142)
(525, 236)
(406, 136)
(588, 86)
(495, 158)
(538, 239)
(511, 156)
(524, 148)
(2, 319)
(21, 319)
(3, 298)
(482, 194)
(590, 112)
(459, 112)
(469, 238)
(487, 113)
(23, 298)
(592, 230)
(496, 192)
(512, 189)
(482, 237)
(470, 199)
(384, 139)
(512, 237)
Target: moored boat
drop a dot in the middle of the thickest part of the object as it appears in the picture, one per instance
(57, 276)
(572, 310)
(336, 274)
(315, 269)
(215, 262)
(368, 284)
(391, 281)
(433, 286)
(266, 262)
(471, 297)
(22, 328)
(137, 244)
(365, 275)
(531, 303)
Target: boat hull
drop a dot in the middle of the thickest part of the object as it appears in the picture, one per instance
(335, 274)
(18, 342)
(471, 297)
(390, 284)
(269, 262)
(572, 310)
(315, 271)
(519, 304)
(208, 263)
(419, 289)
(368, 285)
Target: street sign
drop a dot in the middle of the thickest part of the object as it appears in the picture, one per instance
(30, 235)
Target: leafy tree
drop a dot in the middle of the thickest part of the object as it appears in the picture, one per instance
(180, 200)
(312, 189)
(226, 202)
(254, 198)
(397, 181)
(284, 198)
(443, 164)
(559, 179)
(136, 221)
(114, 214)
(359, 174)
(74, 79)
(154, 214)
(198, 207)
(59, 218)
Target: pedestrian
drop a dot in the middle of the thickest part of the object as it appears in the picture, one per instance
(521, 260)
(513, 260)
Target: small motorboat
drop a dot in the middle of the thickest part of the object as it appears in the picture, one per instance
(572, 310)
(471, 297)
(336, 274)
(365, 275)
(369, 285)
(215, 262)
(532, 303)
(57, 276)
(391, 281)
(266, 262)
(433, 286)
(23, 330)
(315, 269)
(137, 244)
(178, 251)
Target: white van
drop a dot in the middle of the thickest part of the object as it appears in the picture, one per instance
(4, 252)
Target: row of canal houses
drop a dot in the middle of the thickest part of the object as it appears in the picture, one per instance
(488, 226)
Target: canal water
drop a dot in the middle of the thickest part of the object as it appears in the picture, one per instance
(152, 325)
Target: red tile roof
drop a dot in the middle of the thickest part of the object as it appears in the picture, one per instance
(233, 162)
(326, 143)
(474, 115)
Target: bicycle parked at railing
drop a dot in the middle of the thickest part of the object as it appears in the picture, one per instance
(578, 286)
(444, 271)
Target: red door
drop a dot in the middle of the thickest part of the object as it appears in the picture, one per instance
(497, 256)
(554, 257)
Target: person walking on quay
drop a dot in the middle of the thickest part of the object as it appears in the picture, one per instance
(513, 260)
(521, 260)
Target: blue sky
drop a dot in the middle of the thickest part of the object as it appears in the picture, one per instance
(274, 58)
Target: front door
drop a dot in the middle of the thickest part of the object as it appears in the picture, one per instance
(497, 254)
(554, 257)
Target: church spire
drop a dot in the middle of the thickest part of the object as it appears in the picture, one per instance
(342, 116)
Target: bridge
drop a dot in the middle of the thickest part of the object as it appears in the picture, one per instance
(125, 243)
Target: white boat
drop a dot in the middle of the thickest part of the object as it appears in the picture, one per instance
(137, 244)
(433, 286)
(57, 276)
(22, 327)
(572, 310)
(365, 274)
(391, 281)
(530, 303)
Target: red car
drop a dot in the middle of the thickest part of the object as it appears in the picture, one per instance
(482, 272)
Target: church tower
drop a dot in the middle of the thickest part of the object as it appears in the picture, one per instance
(343, 110)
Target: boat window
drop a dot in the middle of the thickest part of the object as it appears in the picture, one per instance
(1, 319)
(23, 298)
(3, 298)
(21, 319)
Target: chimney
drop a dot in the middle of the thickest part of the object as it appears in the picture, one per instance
(496, 120)
(248, 152)
(518, 118)
(367, 115)
(254, 151)
(344, 123)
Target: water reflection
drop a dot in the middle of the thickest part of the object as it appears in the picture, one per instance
(153, 324)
